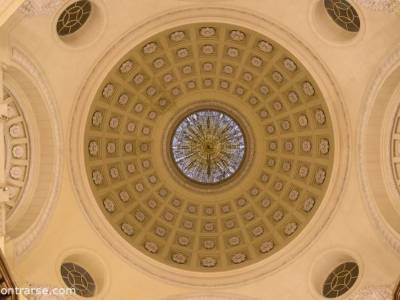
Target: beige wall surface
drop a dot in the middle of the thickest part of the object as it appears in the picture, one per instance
(66, 65)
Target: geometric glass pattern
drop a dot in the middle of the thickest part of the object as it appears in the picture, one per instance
(208, 146)
(340, 280)
(79, 279)
(73, 17)
(343, 14)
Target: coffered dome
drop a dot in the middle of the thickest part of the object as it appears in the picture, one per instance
(208, 147)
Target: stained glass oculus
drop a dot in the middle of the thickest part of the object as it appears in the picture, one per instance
(208, 146)
(73, 17)
(340, 280)
(343, 14)
(79, 279)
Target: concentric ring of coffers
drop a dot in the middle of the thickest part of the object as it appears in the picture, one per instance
(208, 235)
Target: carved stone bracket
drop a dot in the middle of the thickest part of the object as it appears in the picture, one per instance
(6, 281)
(381, 5)
(373, 293)
(40, 7)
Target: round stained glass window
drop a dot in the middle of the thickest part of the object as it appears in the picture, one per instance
(343, 14)
(208, 146)
(79, 279)
(73, 17)
(340, 280)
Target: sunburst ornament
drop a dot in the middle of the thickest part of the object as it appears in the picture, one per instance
(208, 146)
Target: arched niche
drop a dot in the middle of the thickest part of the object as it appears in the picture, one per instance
(24, 80)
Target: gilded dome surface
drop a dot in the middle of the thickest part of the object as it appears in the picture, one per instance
(208, 147)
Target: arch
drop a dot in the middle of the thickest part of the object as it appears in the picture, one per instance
(27, 225)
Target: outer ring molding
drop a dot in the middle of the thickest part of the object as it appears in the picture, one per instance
(252, 21)
(389, 67)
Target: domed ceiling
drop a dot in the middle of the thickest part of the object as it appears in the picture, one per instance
(208, 147)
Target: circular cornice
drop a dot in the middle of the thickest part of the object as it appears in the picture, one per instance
(324, 82)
